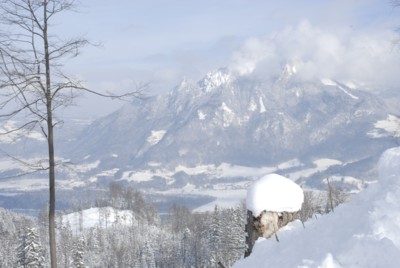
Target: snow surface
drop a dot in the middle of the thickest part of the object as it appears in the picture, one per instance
(227, 114)
(262, 106)
(85, 167)
(329, 82)
(226, 197)
(201, 115)
(105, 173)
(226, 194)
(215, 79)
(252, 106)
(22, 184)
(156, 136)
(139, 176)
(224, 170)
(348, 93)
(98, 217)
(290, 164)
(276, 193)
(362, 233)
(389, 126)
(321, 165)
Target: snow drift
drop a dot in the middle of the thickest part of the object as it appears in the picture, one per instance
(362, 233)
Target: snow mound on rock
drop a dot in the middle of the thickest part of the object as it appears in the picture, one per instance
(274, 193)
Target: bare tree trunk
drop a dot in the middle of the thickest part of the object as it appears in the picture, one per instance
(330, 194)
(50, 140)
(52, 192)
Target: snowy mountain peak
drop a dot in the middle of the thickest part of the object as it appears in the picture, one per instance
(215, 79)
(288, 71)
(184, 84)
(184, 87)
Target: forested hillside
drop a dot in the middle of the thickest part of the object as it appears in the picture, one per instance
(125, 230)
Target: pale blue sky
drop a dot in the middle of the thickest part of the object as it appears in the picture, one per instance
(162, 41)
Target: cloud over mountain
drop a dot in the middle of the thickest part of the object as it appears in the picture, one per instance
(368, 58)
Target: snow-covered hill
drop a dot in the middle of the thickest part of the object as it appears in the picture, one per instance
(98, 217)
(362, 233)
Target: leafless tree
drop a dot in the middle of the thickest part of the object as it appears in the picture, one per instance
(336, 196)
(32, 83)
(307, 209)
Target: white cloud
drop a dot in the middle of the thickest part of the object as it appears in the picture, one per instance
(367, 57)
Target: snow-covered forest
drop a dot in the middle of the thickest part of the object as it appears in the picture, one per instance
(122, 229)
(125, 231)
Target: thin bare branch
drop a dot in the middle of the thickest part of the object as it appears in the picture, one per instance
(59, 6)
(137, 93)
(17, 129)
(19, 175)
(36, 167)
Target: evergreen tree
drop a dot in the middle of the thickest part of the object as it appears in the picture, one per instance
(216, 237)
(233, 235)
(65, 246)
(186, 248)
(29, 251)
(78, 252)
(149, 256)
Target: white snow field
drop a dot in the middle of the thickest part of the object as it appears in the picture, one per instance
(362, 233)
(276, 193)
(98, 217)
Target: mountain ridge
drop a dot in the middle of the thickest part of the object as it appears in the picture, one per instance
(228, 119)
(209, 139)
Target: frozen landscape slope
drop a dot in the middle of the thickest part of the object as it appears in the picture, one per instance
(362, 233)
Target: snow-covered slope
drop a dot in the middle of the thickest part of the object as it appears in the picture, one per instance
(362, 233)
(98, 217)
